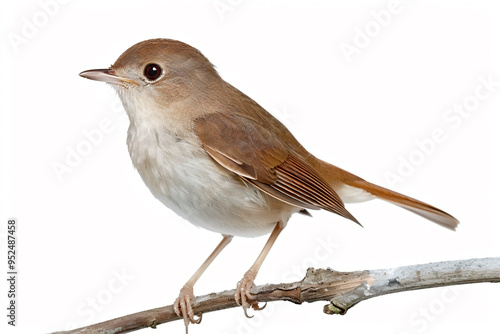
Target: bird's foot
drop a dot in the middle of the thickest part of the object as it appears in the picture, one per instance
(183, 308)
(243, 296)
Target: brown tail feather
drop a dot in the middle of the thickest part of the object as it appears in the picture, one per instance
(420, 208)
(336, 177)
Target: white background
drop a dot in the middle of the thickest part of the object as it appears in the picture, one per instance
(78, 231)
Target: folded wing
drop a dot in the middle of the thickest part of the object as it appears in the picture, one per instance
(259, 157)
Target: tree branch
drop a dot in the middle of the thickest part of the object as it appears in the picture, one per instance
(342, 289)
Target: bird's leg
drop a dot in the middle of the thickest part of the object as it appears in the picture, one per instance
(242, 295)
(182, 305)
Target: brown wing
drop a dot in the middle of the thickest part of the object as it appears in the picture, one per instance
(259, 157)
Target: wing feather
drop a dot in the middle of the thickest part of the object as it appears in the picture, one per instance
(259, 157)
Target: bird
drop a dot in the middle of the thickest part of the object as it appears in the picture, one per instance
(219, 160)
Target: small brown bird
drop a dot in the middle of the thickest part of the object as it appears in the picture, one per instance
(218, 159)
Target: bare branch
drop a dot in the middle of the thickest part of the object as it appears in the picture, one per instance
(342, 289)
(423, 276)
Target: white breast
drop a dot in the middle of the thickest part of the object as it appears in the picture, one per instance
(184, 178)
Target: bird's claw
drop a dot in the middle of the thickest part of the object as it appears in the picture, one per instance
(184, 309)
(243, 296)
(256, 307)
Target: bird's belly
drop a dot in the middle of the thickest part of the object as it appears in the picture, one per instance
(184, 178)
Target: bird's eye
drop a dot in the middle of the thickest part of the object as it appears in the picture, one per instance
(152, 71)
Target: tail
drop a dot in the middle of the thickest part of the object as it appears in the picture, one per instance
(338, 177)
(420, 208)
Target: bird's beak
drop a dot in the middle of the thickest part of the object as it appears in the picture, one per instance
(107, 75)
